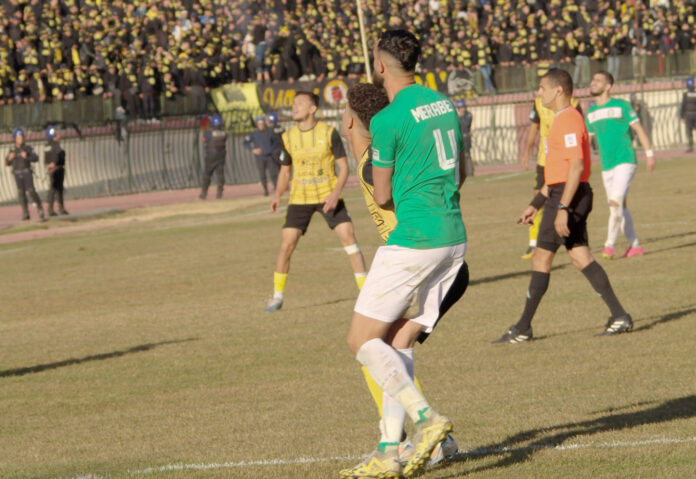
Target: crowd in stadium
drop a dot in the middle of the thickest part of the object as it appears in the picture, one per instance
(135, 50)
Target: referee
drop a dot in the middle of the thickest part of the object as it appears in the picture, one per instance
(568, 198)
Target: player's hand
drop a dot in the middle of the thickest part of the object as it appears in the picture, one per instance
(650, 164)
(256, 151)
(524, 161)
(330, 202)
(23, 154)
(527, 216)
(561, 223)
(274, 204)
(50, 167)
(11, 156)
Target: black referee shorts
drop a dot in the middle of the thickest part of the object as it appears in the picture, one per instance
(539, 177)
(298, 216)
(581, 205)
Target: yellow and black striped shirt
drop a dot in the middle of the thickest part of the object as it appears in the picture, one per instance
(385, 220)
(312, 154)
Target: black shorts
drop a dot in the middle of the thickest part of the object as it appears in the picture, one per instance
(298, 216)
(539, 178)
(581, 205)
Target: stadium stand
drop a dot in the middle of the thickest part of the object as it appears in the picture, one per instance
(147, 52)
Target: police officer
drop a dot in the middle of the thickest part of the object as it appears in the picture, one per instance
(55, 165)
(688, 112)
(265, 145)
(215, 141)
(20, 159)
(465, 120)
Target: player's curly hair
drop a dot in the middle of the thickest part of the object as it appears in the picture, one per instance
(403, 46)
(366, 99)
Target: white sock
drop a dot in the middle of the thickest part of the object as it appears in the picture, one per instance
(393, 413)
(277, 295)
(389, 371)
(628, 230)
(615, 219)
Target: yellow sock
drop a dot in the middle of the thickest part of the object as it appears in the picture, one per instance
(534, 229)
(279, 282)
(360, 279)
(376, 391)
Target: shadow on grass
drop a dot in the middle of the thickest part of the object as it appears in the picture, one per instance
(667, 318)
(95, 357)
(520, 447)
(500, 277)
(679, 246)
(672, 236)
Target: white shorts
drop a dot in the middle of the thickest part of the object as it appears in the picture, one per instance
(617, 180)
(432, 280)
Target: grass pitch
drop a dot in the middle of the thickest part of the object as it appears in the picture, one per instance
(140, 349)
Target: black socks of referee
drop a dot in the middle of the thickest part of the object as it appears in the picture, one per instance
(599, 280)
(538, 285)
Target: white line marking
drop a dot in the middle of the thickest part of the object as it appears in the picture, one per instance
(503, 176)
(462, 454)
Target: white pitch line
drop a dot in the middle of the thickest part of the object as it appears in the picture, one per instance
(473, 452)
(503, 176)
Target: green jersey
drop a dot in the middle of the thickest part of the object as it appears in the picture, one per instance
(610, 123)
(418, 135)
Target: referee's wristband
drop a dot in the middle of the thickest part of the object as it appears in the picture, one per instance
(538, 201)
(649, 153)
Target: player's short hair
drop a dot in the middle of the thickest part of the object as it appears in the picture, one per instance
(608, 76)
(403, 46)
(313, 97)
(366, 99)
(561, 78)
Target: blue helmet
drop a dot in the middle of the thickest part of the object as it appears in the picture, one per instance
(460, 103)
(272, 118)
(17, 132)
(216, 121)
(51, 132)
(690, 83)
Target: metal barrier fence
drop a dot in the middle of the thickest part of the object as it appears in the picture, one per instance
(150, 157)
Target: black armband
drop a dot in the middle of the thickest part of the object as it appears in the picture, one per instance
(538, 201)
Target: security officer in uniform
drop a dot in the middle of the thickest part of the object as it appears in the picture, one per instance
(215, 141)
(465, 120)
(20, 159)
(55, 165)
(688, 112)
(265, 145)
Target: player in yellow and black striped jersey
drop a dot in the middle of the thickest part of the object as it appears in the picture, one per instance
(311, 151)
(541, 120)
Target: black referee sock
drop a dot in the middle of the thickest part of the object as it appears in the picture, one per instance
(538, 285)
(599, 280)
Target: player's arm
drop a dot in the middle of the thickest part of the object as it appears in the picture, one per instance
(532, 135)
(383, 160)
(10, 158)
(283, 179)
(382, 178)
(339, 152)
(645, 143)
(331, 201)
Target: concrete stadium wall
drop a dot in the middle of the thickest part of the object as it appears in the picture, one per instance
(157, 157)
